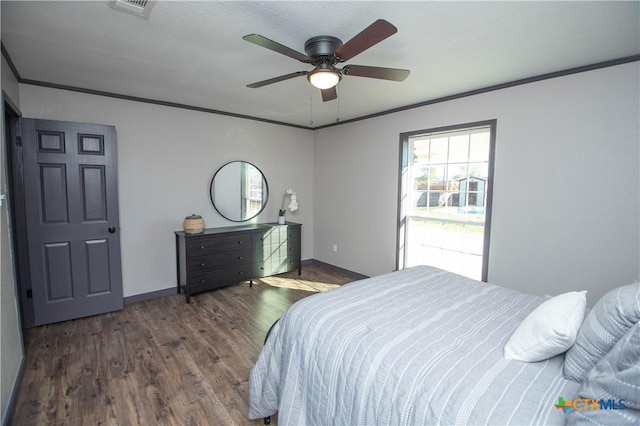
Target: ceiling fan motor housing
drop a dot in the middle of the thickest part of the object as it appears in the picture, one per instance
(321, 48)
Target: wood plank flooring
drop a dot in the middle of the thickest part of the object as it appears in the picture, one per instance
(159, 362)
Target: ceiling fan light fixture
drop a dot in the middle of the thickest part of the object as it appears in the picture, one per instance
(324, 76)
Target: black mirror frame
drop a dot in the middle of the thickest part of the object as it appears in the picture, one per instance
(264, 180)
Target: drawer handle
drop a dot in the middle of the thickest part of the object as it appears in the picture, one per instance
(240, 273)
(240, 257)
(203, 281)
(240, 242)
(201, 247)
(202, 264)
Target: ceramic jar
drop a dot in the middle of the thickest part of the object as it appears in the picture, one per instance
(193, 224)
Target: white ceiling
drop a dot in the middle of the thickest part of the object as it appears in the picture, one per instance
(192, 53)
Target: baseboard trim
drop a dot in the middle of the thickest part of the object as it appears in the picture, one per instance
(151, 295)
(334, 268)
(12, 397)
(172, 290)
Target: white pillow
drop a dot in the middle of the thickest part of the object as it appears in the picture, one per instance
(549, 330)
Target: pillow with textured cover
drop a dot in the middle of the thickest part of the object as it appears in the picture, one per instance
(549, 330)
(614, 383)
(611, 317)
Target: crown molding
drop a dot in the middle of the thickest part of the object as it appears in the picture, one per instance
(533, 79)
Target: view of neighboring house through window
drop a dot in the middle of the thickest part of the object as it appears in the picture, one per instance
(445, 198)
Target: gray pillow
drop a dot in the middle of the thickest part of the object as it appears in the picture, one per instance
(611, 317)
(614, 382)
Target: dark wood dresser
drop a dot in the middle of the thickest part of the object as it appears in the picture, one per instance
(218, 257)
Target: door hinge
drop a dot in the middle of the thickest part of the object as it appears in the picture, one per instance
(29, 294)
(18, 140)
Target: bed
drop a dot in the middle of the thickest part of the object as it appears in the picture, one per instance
(419, 346)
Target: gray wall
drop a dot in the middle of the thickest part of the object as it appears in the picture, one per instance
(11, 352)
(566, 192)
(166, 159)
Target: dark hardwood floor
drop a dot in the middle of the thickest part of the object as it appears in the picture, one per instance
(159, 362)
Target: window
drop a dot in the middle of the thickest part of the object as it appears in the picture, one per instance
(446, 177)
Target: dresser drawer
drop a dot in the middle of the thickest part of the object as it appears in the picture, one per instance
(204, 285)
(196, 265)
(276, 236)
(276, 266)
(218, 244)
(276, 252)
(220, 277)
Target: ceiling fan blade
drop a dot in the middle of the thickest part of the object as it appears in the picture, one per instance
(394, 74)
(276, 47)
(329, 94)
(368, 37)
(276, 79)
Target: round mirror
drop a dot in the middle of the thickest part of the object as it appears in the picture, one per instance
(239, 191)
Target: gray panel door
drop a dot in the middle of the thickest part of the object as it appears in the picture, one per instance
(71, 201)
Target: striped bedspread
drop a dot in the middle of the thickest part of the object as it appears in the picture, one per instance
(416, 347)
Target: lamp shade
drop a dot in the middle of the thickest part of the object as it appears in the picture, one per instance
(324, 77)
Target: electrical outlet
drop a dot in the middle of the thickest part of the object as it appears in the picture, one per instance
(335, 248)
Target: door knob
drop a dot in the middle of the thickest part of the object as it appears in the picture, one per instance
(112, 229)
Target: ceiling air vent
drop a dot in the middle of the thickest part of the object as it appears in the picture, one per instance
(140, 8)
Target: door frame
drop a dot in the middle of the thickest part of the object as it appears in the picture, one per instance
(16, 205)
(17, 213)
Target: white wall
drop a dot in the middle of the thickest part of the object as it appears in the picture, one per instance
(11, 352)
(566, 192)
(166, 159)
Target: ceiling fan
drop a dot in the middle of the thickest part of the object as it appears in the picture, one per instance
(324, 52)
